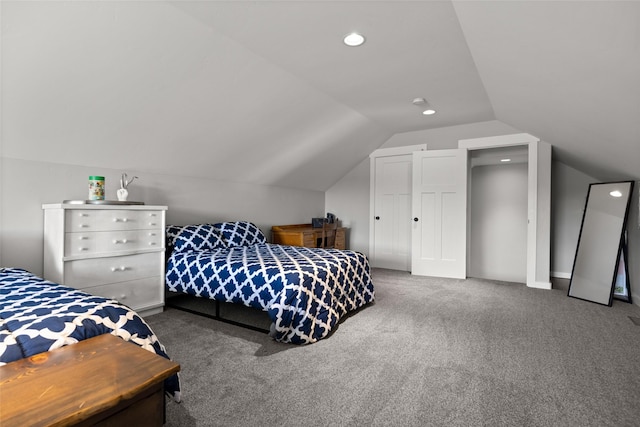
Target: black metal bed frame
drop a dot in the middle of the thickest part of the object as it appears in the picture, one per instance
(216, 316)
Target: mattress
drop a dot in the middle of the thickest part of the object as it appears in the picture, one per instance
(305, 291)
(37, 315)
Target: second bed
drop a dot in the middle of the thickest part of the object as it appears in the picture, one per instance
(305, 291)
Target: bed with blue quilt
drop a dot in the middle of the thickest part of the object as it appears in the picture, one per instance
(37, 315)
(305, 291)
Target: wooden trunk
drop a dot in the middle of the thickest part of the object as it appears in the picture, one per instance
(102, 381)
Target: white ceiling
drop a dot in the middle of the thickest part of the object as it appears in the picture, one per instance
(265, 91)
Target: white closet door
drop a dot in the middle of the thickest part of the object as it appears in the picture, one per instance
(439, 227)
(392, 212)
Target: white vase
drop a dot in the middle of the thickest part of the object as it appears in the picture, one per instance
(122, 194)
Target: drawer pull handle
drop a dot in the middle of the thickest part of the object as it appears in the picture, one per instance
(83, 249)
(152, 234)
(121, 268)
(152, 223)
(152, 243)
(120, 241)
(83, 225)
(83, 214)
(152, 214)
(120, 219)
(83, 238)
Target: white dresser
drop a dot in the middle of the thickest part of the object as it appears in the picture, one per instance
(114, 251)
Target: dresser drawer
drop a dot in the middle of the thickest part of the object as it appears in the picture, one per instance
(97, 242)
(112, 219)
(136, 294)
(84, 273)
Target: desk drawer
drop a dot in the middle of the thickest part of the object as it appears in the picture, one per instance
(310, 240)
(340, 242)
(99, 271)
(109, 220)
(135, 293)
(89, 243)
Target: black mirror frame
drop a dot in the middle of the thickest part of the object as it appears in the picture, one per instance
(622, 250)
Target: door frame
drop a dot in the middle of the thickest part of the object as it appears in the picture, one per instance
(538, 202)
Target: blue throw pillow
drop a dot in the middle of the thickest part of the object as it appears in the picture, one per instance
(199, 237)
(241, 233)
(172, 233)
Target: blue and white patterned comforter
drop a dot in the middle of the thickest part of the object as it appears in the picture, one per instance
(37, 316)
(305, 291)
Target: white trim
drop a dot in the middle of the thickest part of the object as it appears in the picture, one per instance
(497, 141)
(372, 204)
(532, 214)
(560, 275)
(106, 206)
(538, 199)
(540, 285)
(398, 151)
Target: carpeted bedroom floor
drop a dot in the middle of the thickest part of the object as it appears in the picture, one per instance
(428, 352)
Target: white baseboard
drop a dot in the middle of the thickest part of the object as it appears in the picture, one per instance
(540, 285)
(561, 275)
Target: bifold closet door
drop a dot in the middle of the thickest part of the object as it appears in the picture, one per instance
(392, 212)
(439, 228)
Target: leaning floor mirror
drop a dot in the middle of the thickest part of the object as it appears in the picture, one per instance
(600, 245)
(622, 287)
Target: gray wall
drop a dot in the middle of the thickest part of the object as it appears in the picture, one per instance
(26, 185)
(568, 196)
(349, 200)
(498, 222)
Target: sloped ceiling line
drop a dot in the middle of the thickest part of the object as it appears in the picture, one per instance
(225, 86)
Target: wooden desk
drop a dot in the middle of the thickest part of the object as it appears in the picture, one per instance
(304, 235)
(100, 381)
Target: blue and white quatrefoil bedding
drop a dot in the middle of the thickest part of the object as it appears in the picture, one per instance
(37, 316)
(305, 291)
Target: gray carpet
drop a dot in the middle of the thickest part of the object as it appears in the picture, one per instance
(428, 352)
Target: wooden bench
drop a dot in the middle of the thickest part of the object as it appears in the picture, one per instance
(103, 381)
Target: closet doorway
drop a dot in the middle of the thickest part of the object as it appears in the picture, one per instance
(497, 220)
(538, 216)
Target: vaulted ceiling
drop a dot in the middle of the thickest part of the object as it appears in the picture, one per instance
(266, 92)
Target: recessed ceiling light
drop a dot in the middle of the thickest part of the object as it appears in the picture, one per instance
(615, 193)
(422, 103)
(353, 39)
(505, 160)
